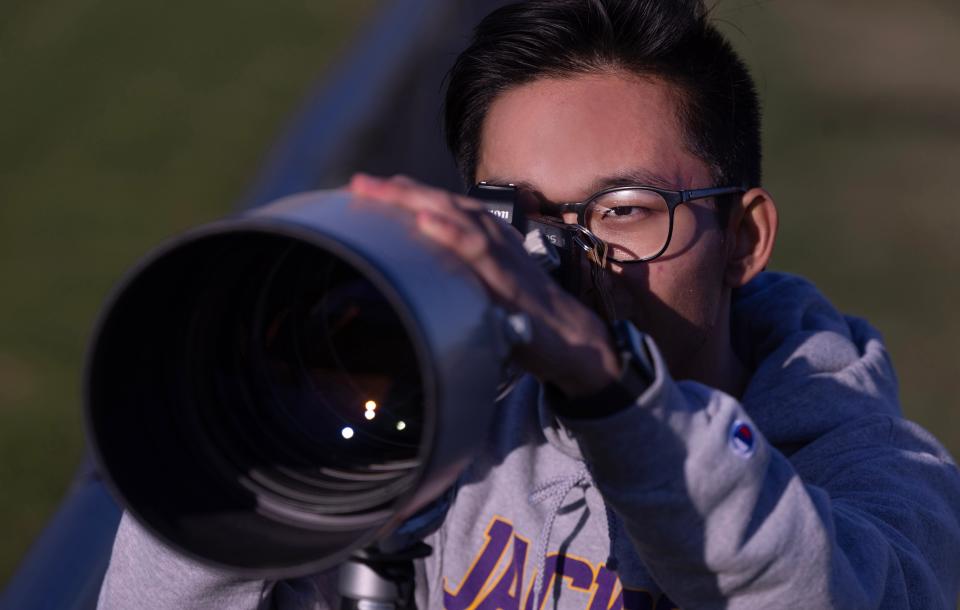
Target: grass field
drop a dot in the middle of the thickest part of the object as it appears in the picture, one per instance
(123, 123)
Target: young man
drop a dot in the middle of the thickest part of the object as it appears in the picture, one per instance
(746, 451)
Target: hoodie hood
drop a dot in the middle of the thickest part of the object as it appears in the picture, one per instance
(813, 368)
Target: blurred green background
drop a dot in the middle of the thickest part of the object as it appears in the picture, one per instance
(121, 123)
(124, 122)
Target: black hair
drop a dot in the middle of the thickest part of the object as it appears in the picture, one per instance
(668, 39)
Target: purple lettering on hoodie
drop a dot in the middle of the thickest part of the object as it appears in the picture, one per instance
(476, 593)
(577, 571)
(507, 592)
(603, 598)
(498, 536)
(625, 599)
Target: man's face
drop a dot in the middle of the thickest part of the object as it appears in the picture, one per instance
(569, 138)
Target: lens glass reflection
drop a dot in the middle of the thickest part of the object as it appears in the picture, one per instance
(309, 380)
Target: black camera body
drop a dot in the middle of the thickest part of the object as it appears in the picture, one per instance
(556, 247)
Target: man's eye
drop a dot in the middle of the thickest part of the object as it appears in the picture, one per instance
(632, 212)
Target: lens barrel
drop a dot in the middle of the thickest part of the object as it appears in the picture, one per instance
(270, 392)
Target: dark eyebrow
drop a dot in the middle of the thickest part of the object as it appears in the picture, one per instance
(631, 177)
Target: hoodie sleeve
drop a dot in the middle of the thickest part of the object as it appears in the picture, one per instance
(863, 517)
(143, 573)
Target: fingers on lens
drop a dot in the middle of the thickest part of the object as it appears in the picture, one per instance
(438, 228)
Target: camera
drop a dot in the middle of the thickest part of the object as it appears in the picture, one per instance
(272, 392)
(568, 252)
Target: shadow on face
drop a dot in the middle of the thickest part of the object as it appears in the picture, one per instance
(569, 138)
(678, 298)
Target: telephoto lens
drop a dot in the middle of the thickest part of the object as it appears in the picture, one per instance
(271, 392)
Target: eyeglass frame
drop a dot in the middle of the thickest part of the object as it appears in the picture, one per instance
(673, 198)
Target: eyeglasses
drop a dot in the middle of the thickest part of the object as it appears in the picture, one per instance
(635, 222)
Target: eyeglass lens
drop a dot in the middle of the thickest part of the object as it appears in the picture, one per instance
(635, 223)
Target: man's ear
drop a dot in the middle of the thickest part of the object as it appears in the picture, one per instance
(750, 235)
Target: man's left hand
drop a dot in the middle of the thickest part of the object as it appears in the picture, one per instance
(570, 345)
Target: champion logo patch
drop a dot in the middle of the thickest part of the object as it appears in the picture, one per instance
(743, 440)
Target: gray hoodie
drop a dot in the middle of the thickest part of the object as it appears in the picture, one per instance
(810, 492)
